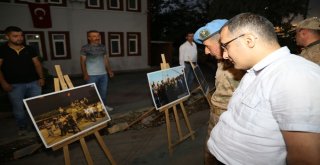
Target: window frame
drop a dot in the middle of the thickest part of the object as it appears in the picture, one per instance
(120, 34)
(25, 1)
(138, 44)
(63, 3)
(43, 51)
(100, 6)
(67, 45)
(138, 9)
(2, 33)
(120, 3)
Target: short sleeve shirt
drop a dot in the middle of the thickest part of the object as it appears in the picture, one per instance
(281, 92)
(94, 58)
(18, 68)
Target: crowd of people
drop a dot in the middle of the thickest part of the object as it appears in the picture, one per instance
(69, 120)
(169, 90)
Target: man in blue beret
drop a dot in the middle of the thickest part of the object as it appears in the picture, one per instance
(226, 80)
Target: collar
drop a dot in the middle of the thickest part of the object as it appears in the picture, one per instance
(16, 50)
(313, 43)
(190, 43)
(270, 58)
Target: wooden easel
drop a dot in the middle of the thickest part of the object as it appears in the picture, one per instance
(65, 83)
(173, 106)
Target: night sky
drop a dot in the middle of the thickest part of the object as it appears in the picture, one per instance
(52, 101)
(314, 8)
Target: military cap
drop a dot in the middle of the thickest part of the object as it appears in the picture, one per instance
(309, 23)
(208, 30)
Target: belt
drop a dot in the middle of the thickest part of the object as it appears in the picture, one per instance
(188, 62)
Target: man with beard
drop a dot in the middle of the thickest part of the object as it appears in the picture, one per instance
(20, 74)
(95, 65)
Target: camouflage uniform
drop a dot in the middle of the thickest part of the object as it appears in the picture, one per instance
(227, 80)
(312, 52)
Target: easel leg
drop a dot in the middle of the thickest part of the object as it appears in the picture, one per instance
(66, 155)
(168, 130)
(187, 120)
(176, 116)
(86, 151)
(104, 148)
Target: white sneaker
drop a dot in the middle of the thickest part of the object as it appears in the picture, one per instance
(109, 108)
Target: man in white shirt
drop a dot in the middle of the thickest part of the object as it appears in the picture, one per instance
(273, 116)
(188, 52)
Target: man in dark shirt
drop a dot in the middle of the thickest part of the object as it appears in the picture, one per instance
(20, 74)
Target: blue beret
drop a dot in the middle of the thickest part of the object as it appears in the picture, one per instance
(209, 30)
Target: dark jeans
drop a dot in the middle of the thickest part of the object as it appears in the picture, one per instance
(189, 74)
(19, 92)
(101, 82)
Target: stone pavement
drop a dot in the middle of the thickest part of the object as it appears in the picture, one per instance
(133, 147)
(126, 92)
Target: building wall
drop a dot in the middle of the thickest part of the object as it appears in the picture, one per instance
(78, 20)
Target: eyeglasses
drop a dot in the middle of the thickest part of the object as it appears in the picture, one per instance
(224, 45)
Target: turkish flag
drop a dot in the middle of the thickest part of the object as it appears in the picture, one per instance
(40, 14)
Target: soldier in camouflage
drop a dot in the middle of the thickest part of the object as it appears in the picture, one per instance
(308, 36)
(226, 80)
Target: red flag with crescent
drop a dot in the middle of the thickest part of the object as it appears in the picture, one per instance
(40, 13)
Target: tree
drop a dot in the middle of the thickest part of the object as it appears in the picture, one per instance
(171, 19)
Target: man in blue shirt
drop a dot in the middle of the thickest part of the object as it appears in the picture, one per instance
(95, 64)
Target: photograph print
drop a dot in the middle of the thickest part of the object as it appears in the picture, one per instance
(168, 86)
(62, 115)
(201, 80)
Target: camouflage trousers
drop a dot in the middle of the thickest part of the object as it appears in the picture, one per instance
(209, 159)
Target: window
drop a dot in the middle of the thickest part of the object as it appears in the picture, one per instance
(134, 5)
(3, 38)
(134, 44)
(56, 2)
(35, 39)
(94, 4)
(59, 45)
(115, 44)
(114, 4)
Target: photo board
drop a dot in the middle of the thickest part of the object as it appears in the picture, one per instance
(201, 80)
(168, 86)
(62, 115)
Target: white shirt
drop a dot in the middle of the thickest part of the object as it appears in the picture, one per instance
(281, 92)
(188, 52)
